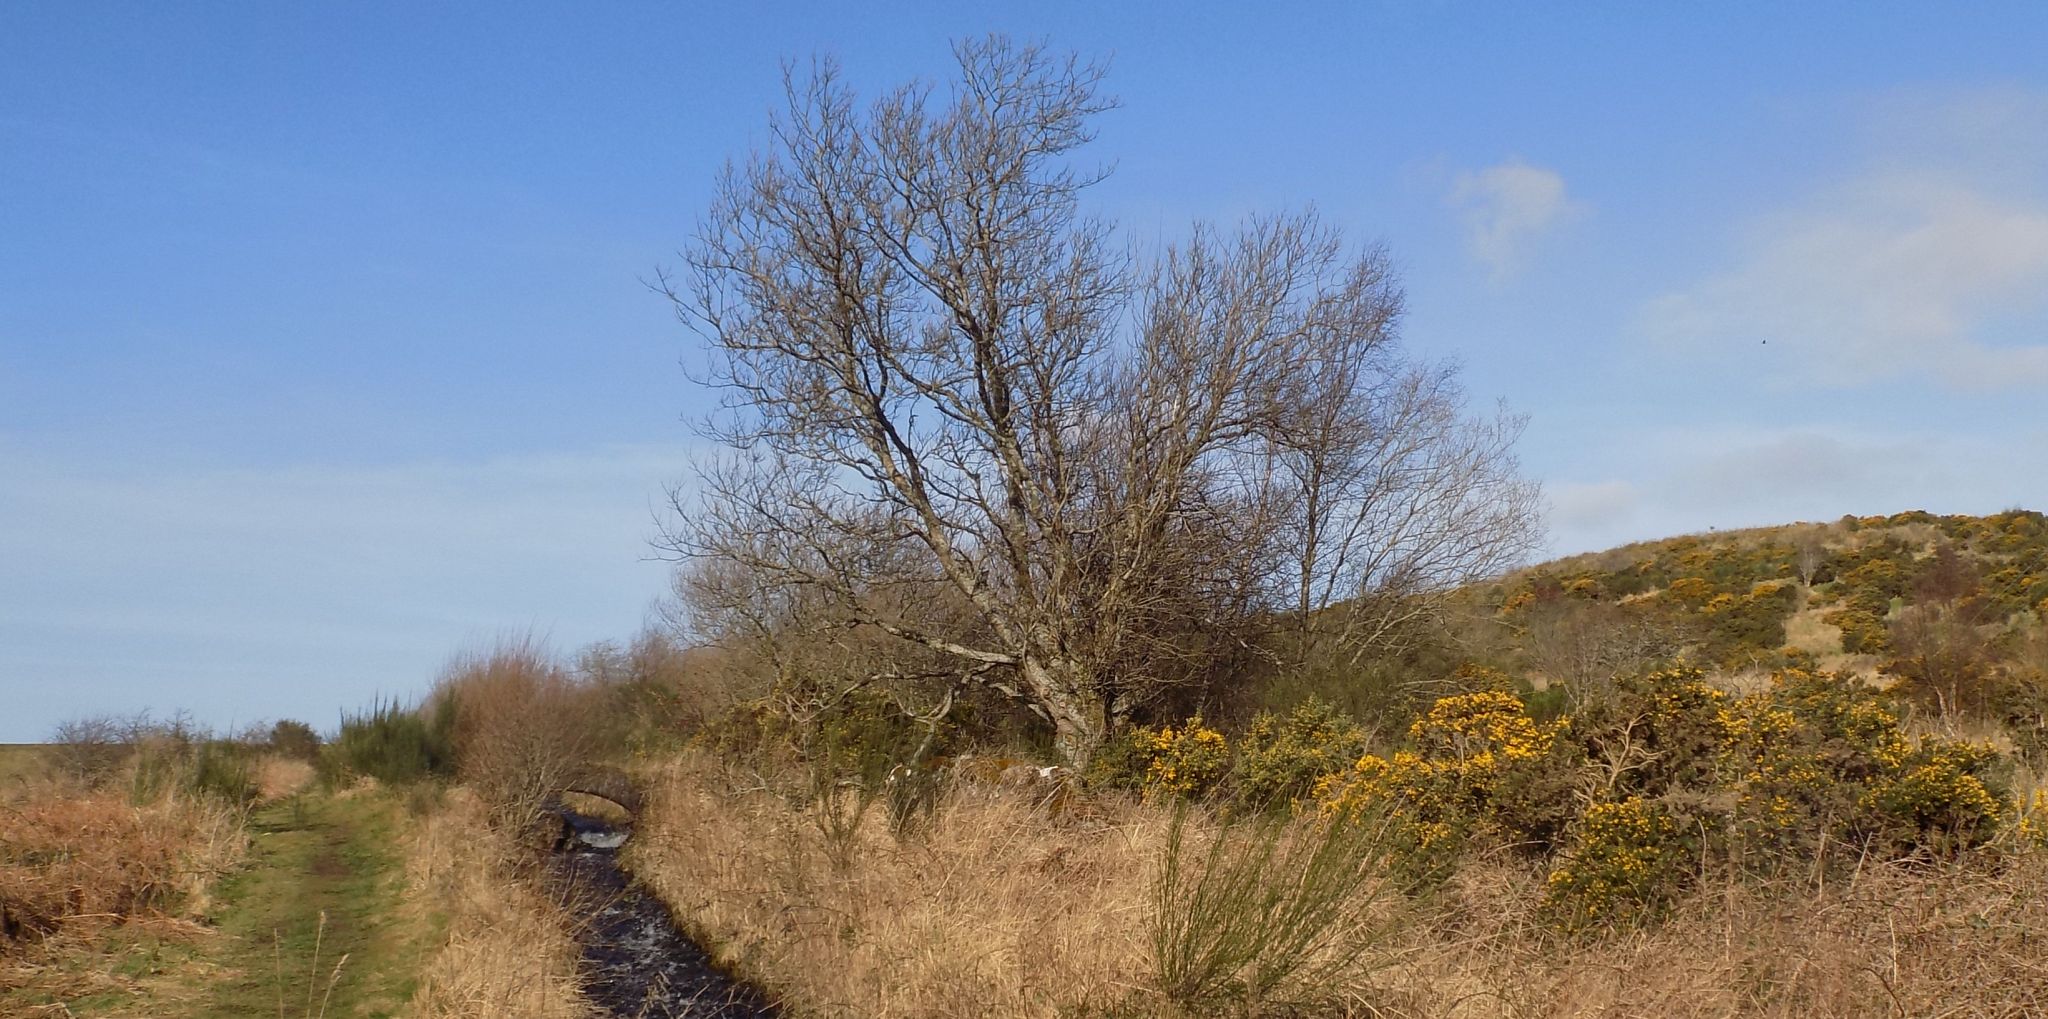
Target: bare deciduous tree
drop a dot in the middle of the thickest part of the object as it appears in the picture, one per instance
(1586, 645)
(1392, 496)
(1810, 552)
(962, 415)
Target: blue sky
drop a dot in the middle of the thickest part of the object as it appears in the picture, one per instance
(324, 349)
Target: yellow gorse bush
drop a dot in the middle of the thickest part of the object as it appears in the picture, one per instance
(1473, 753)
(1686, 694)
(1280, 758)
(2030, 827)
(1470, 726)
(1642, 786)
(1621, 865)
(1691, 589)
(1186, 761)
(1635, 791)
(1937, 790)
(1819, 758)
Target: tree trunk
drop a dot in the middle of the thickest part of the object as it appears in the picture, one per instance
(1078, 721)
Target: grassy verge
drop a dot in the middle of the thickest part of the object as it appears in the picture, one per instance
(99, 896)
(142, 968)
(359, 904)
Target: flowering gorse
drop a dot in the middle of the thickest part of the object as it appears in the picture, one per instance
(1624, 863)
(2030, 825)
(1820, 759)
(1187, 761)
(1280, 758)
(1475, 760)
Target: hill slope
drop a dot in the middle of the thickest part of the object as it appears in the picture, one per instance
(1859, 594)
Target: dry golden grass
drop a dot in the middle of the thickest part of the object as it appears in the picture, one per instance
(87, 877)
(1960, 942)
(93, 859)
(1806, 631)
(1003, 911)
(997, 910)
(278, 777)
(507, 949)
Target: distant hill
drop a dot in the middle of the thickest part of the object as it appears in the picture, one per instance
(1859, 594)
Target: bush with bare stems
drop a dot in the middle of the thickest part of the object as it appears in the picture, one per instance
(525, 727)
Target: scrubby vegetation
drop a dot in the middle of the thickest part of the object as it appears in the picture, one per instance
(1605, 765)
(1654, 780)
(1085, 629)
(113, 836)
(392, 743)
(98, 857)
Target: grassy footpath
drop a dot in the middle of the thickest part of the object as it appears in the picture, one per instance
(312, 925)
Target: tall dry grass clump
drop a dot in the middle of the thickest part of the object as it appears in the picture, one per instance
(1010, 903)
(278, 776)
(996, 909)
(507, 952)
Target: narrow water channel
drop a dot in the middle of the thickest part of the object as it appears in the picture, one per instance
(636, 961)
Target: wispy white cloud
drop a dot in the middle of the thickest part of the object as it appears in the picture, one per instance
(1919, 266)
(1806, 473)
(1505, 209)
(1997, 136)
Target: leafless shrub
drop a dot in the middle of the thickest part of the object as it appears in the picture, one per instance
(1585, 644)
(1946, 657)
(525, 727)
(89, 750)
(668, 687)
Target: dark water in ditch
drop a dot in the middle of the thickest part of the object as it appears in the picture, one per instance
(636, 961)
